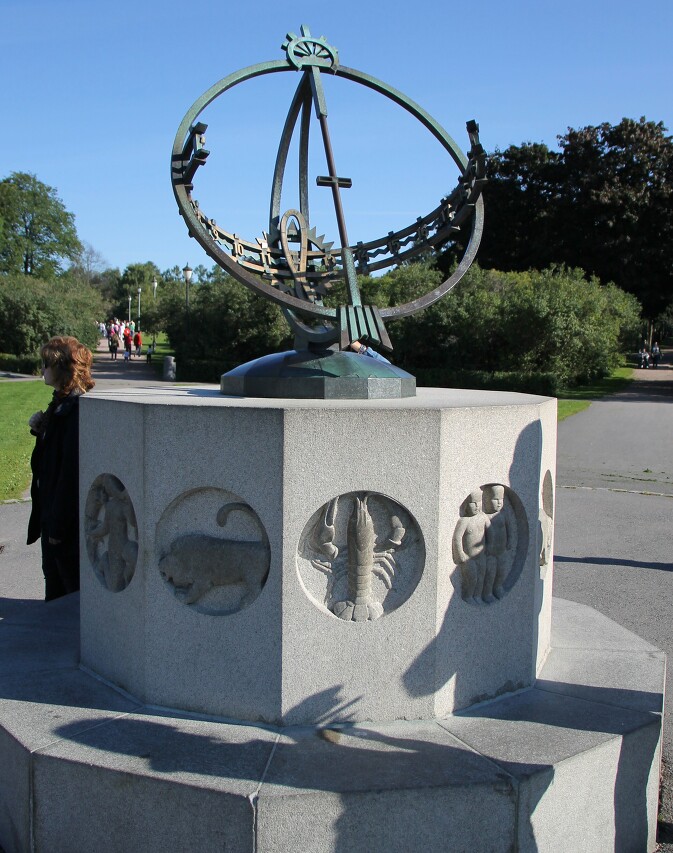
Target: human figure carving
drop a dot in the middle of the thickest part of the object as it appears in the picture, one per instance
(117, 564)
(469, 545)
(498, 542)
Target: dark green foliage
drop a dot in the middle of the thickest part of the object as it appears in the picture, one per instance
(134, 276)
(38, 233)
(26, 364)
(529, 331)
(227, 323)
(34, 311)
(602, 203)
(555, 322)
(544, 384)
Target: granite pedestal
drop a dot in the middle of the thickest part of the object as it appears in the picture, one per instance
(280, 649)
(323, 627)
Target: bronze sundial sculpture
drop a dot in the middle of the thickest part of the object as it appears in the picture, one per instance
(294, 266)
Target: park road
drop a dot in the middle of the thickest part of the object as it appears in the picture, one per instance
(613, 522)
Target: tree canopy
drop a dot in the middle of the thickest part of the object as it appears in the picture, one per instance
(38, 234)
(602, 203)
(34, 310)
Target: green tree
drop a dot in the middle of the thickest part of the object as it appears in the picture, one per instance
(521, 199)
(602, 203)
(553, 321)
(38, 233)
(227, 323)
(134, 276)
(35, 310)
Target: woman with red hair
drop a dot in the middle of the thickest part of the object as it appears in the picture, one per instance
(66, 367)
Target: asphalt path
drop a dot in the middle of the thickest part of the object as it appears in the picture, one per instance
(613, 517)
(613, 522)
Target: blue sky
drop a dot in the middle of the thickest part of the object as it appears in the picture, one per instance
(93, 94)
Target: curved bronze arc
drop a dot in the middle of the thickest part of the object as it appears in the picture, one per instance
(298, 103)
(183, 200)
(408, 308)
(283, 299)
(411, 107)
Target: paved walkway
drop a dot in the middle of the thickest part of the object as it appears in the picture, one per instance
(109, 373)
(614, 516)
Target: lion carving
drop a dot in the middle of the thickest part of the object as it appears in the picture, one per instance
(197, 563)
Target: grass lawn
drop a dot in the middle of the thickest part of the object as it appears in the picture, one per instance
(18, 401)
(575, 400)
(163, 348)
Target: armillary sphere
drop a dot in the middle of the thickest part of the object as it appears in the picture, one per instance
(290, 263)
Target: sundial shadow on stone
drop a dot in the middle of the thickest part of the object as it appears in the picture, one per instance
(294, 264)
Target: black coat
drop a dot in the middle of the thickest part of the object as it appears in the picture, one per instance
(55, 465)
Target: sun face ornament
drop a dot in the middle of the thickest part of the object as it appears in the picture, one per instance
(291, 263)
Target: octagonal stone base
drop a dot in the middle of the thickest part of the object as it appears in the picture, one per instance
(571, 764)
(236, 593)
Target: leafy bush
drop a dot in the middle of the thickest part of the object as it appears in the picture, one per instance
(544, 384)
(27, 364)
(228, 325)
(531, 331)
(35, 310)
(555, 321)
(202, 370)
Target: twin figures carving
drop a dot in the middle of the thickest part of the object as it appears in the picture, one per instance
(360, 556)
(483, 545)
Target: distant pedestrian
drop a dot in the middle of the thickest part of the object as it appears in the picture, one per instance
(128, 342)
(54, 518)
(138, 342)
(656, 354)
(114, 345)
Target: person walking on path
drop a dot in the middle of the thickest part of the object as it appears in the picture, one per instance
(138, 343)
(656, 354)
(54, 519)
(128, 341)
(114, 345)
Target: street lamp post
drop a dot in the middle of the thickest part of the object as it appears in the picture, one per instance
(187, 272)
(139, 289)
(154, 325)
(129, 308)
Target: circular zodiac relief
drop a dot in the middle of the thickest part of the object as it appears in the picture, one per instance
(213, 551)
(111, 532)
(490, 543)
(360, 556)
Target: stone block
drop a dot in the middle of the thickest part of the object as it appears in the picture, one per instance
(303, 484)
(587, 771)
(151, 783)
(82, 769)
(396, 787)
(33, 706)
